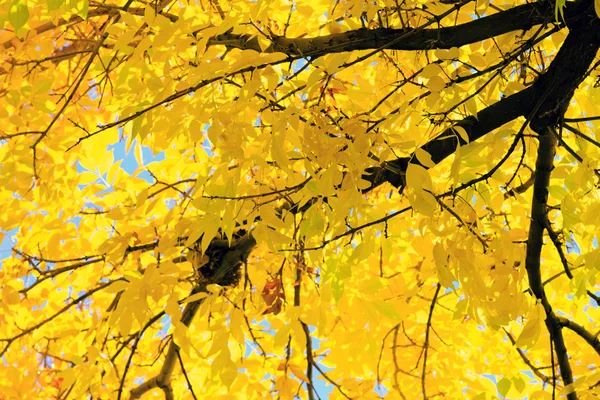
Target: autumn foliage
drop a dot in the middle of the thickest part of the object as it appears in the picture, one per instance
(299, 199)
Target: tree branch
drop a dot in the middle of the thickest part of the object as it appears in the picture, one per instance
(522, 17)
(550, 94)
(532, 367)
(72, 303)
(586, 335)
(426, 344)
(543, 167)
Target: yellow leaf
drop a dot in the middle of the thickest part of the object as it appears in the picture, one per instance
(531, 332)
(471, 106)
(173, 308)
(441, 262)
(181, 337)
(456, 164)
(430, 71)
(10, 296)
(219, 342)
(424, 158)
(141, 198)
(117, 287)
(69, 376)
(263, 42)
(228, 370)
(125, 323)
(462, 133)
(333, 27)
(267, 214)
(117, 213)
(214, 288)
(278, 152)
(236, 321)
(196, 297)
(423, 202)
(417, 178)
(436, 84)
(298, 372)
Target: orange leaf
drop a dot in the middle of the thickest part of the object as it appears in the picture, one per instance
(273, 296)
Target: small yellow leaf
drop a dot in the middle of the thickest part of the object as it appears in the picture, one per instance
(181, 337)
(533, 328)
(417, 178)
(267, 214)
(471, 106)
(436, 84)
(68, 375)
(196, 297)
(125, 323)
(333, 27)
(430, 71)
(141, 198)
(296, 370)
(263, 43)
(462, 133)
(214, 288)
(117, 213)
(228, 371)
(10, 296)
(424, 158)
(441, 262)
(219, 342)
(117, 287)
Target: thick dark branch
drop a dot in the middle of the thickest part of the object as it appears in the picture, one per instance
(543, 167)
(523, 17)
(549, 96)
(586, 335)
(446, 143)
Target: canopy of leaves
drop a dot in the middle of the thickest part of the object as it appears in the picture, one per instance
(255, 199)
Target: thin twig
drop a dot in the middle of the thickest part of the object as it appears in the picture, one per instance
(187, 379)
(426, 344)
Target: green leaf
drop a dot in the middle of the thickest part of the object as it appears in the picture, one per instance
(337, 289)
(386, 310)
(503, 386)
(559, 9)
(519, 384)
(18, 14)
(55, 4)
(79, 7)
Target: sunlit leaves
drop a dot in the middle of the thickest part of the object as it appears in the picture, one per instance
(181, 144)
